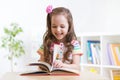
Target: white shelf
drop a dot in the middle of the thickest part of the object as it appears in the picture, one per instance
(104, 67)
(90, 65)
(111, 67)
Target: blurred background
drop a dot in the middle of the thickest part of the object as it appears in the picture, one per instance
(90, 17)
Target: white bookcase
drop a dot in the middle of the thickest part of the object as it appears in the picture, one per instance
(104, 67)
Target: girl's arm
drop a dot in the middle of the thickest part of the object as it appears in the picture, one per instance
(41, 55)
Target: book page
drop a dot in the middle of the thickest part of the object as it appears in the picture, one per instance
(45, 66)
(56, 51)
(69, 70)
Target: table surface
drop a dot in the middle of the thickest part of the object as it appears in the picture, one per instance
(83, 76)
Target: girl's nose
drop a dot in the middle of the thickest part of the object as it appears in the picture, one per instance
(58, 28)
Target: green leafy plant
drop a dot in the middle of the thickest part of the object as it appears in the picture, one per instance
(11, 43)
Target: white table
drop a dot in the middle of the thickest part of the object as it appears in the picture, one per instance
(83, 76)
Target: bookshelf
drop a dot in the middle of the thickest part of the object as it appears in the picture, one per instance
(104, 67)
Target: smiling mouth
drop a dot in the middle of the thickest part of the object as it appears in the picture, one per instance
(59, 34)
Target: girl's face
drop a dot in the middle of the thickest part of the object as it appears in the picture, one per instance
(59, 26)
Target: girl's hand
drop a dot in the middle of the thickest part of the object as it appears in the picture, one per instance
(58, 64)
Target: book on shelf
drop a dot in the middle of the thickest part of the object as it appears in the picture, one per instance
(115, 52)
(110, 55)
(115, 74)
(47, 69)
(93, 51)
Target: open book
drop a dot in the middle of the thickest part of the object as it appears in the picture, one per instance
(46, 69)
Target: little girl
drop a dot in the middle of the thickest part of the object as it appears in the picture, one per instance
(60, 31)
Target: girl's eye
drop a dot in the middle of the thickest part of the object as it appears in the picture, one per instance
(62, 26)
(54, 26)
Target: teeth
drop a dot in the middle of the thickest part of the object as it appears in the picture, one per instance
(59, 34)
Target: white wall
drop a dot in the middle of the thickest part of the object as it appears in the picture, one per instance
(89, 16)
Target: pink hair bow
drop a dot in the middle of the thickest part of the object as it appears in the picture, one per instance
(49, 9)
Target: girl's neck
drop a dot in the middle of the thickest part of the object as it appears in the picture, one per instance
(61, 41)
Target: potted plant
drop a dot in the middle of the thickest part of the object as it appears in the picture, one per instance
(11, 43)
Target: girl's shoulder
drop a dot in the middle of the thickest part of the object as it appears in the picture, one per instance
(75, 42)
(77, 47)
(40, 50)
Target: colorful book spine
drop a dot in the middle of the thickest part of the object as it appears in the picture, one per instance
(116, 53)
(115, 74)
(110, 55)
(91, 52)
